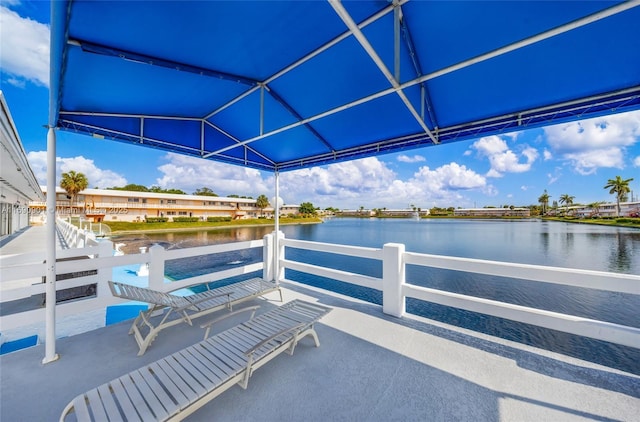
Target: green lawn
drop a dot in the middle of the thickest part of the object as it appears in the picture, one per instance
(120, 226)
(618, 222)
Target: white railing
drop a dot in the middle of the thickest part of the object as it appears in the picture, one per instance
(395, 289)
(27, 272)
(393, 285)
(74, 237)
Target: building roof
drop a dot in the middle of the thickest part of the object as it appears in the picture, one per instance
(127, 194)
(16, 175)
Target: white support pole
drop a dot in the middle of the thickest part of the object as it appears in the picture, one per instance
(50, 288)
(393, 279)
(276, 241)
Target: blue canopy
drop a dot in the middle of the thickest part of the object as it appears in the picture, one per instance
(281, 85)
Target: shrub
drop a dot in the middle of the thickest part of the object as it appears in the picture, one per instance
(156, 220)
(185, 219)
(218, 219)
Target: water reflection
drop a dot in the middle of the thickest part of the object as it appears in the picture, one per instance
(190, 239)
(620, 254)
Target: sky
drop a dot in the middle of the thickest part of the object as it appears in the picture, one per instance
(512, 169)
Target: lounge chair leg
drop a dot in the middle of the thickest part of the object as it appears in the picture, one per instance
(311, 332)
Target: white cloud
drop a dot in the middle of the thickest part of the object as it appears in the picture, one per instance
(25, 48)
(513, 135)
(191, 173)
(502, 159)
(587, 162)
(547, 155)
(18, 83)
(636, 162)
(415, 159)
(369, 182)
(553, 177)
(452, 176)
(341, 183)
(97, 177)
(594, 143)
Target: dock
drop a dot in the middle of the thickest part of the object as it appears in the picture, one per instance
(369, 367)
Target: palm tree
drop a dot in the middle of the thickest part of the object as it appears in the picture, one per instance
(544, 201)
(73, 183)
(567, 200)
(262, 202)
(620, 188)
(595, 206)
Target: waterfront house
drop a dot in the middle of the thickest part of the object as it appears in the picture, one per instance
(105, 205)
(492, 212)
(607, 209)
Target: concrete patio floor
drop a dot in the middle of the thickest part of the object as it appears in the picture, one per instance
(369, 367)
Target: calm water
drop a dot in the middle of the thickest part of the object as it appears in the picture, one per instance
(531, 242)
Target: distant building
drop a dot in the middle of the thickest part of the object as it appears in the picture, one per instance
(355, 213)
(401, 213)
(609, 209)
(104, 205)
(18, 184)
(492, 212)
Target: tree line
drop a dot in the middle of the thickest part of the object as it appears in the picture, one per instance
(618, 187)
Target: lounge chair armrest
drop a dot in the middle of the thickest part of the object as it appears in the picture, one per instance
(208, 325)
(297, 327)
(202, 299)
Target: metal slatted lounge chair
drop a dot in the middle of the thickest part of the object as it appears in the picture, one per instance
(178, 309)
(176, 386)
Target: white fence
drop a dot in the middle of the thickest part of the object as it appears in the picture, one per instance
(393, 284)
(28, 272)
(395, 289)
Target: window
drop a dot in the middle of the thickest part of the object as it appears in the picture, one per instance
(171, 201)
(133, 199)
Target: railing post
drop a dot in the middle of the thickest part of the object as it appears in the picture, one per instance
(156, 267)
(279, 255)
(105, 249)
(267, 258)
(393, 279)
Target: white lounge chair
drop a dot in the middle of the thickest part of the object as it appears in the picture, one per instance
(178, 309)
(176, 386)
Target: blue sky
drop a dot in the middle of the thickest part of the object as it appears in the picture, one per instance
(514, 169)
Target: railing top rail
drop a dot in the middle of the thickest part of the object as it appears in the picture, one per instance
(357, 251)
(600, 280)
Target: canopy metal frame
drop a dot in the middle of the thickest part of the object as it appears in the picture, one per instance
(429, 136)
